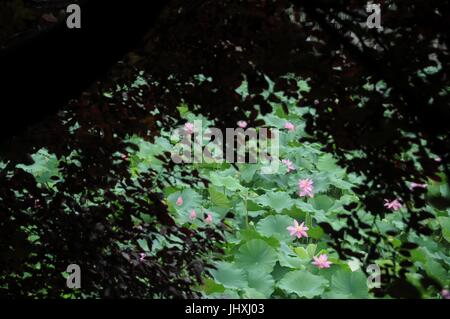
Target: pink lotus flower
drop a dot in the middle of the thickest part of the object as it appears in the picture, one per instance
(394, 205)
(306, 187)
(445, 294)
(297, 230)
(209, 219)
(289, 126)
(193, 215)
(189, 128)
(242, 124)
(417, 185)
(179, 201)
(321, 261)
(290, 166)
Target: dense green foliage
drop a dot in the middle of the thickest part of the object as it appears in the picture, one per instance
(257, 258)
(261, 259)
(95, 185)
